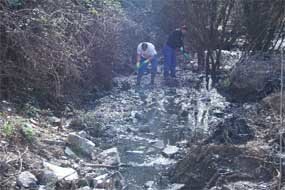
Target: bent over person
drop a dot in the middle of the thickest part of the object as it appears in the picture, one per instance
(146, 54)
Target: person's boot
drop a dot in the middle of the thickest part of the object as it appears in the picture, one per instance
(138, 84)
(152, 81)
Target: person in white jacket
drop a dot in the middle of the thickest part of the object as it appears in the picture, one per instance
(146, 53)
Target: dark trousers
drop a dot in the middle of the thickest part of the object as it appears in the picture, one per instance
(169, 61)
(143, 68)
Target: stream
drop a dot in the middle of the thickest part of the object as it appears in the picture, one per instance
(152, 126)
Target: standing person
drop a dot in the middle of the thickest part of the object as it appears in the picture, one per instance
(174, 42)
(146, 54)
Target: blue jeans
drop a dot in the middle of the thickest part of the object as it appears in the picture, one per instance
(169, 61)
(143, 68)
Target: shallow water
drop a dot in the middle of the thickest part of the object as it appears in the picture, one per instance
(147, 120)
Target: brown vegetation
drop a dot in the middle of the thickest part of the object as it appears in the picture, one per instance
(54, 49)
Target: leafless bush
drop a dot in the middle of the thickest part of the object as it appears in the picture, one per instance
(216, 25)
(56, 49)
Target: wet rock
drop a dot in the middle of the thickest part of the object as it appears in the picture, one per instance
(110, 157)
(170, 151)
(80, 144)
(27, 180)
(68, 174)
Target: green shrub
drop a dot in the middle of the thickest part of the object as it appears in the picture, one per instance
(8, 129)
(28, 132)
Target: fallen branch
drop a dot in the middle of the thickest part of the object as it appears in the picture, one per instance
(102, 166)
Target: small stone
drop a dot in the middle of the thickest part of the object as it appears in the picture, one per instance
(82, 134)
(84, 188)
(42, 187)
(159, 144)
(4, 142)
(27, 180)
(151, 150)
(111, 156)
(55, 120)
(169, 151)
(34, 122)
(176, 186)
(149, 184)
(68, 174)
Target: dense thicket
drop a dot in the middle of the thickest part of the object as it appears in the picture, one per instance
(54, 49)
(253, 26)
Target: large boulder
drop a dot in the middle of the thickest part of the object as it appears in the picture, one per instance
(80, 144)
(254, 78)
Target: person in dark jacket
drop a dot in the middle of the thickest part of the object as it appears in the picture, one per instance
(174, 42)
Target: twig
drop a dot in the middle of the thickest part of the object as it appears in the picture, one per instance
(102, 166)
(281, 118)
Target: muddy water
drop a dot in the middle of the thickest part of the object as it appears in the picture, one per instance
(147, 120)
